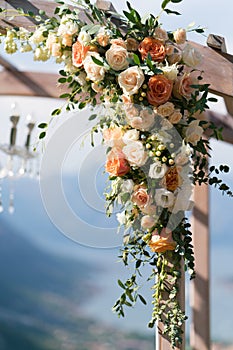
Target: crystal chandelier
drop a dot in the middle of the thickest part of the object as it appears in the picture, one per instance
(17, 161)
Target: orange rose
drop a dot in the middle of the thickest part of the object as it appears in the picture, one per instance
(160, 89)
(116, 164)
(153, 47)
(162, 242)
(79, 52)
(171, 180)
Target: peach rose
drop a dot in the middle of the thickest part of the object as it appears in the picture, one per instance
(140, 196)
(163, 241)
(102, 39)
(153, 47)
(116, 57)
(194, 132)
(116, 164)
(79, 52)
(131, 80)
(147, 222)
(175, 117)
(180, 36)
(182, 86)
(118, 42)
(166, 109)
(160, 34)
(113, 136)
(67, 40)
(131, 44)
(160, 89)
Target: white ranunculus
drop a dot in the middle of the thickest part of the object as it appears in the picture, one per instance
(121, 218)
(135, 153)
(130, 135)
(131, 80)
(164, 198)
(84, 38)
(37, 37)
(127, 186)
(194, 132)
(170, 71)
(157, 170)
(191, 56)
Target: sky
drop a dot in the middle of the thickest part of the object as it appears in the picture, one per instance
(217, 18)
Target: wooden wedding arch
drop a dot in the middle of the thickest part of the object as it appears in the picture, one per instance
(26, 83)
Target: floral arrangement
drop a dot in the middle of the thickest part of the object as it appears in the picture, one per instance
(151, 89)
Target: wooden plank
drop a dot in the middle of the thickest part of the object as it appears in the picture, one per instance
(162, 342)
(199, 296)
(221, 121)
(218, 43)
(12, 85)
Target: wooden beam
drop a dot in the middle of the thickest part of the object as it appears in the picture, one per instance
(217, 43)
(25, 82)
(221, 121)
(199, 296)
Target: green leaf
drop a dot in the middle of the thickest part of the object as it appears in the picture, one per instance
(96, 61)
(142, 299)
(56, 111)
(42, 135)
(164, 3)
(93, 116)
(82, 105)
(64, 95)
(42, 125)
(176, 1)
(170, 12)
(121, 284)
(42, 12)
(62, 80)
(136, 59)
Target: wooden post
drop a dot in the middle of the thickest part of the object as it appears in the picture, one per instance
(162, 342)
(200, 327)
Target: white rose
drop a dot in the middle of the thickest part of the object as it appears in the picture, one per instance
(130, 135)
(170, 72)
(116, 57)
(147, 222)
(67, 26)
(56, 50)
(94, 71)
(135, 153)
(127, 186)
(41, 54)
(37, 36)
(193, 132)
(121, 218)
(157, 170)
(81, 78)
(164, 198)
(84, 38)
(131, 80)
(191, 56)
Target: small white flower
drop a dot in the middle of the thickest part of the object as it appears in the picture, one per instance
(157, 170)
(127, 186)
(121, 218)
(84, 38)
(164, 198)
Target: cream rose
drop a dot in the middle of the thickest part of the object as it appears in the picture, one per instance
(116, 57)
(131, 80)
(84, 38)
(142, 122)
(193, 132)
(130, 135)
(94, 71)
(166, 109)
(175, 117)
(191, 56)
(147, 222)
(157, 170)
(170, 71)
(180, 36)
(135, 153)
(160, 34)
(118, 42)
